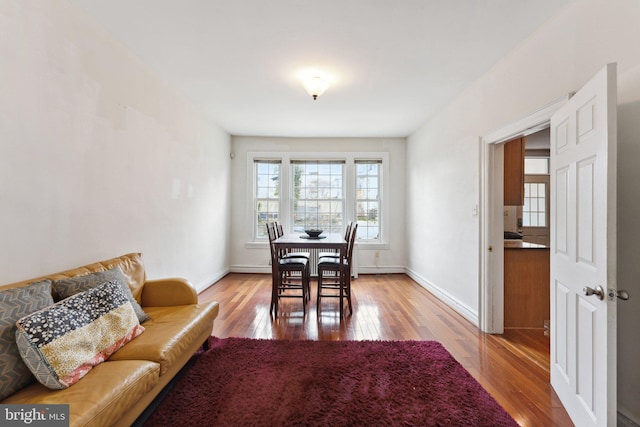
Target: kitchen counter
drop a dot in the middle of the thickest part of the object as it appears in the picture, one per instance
(519, 244)
(526, 284)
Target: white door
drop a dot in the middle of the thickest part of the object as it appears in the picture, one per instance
(583, 252)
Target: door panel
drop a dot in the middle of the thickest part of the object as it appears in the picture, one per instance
(561, 211)
(583, 230)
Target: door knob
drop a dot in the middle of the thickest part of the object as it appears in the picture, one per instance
(623, 295)
(598, 291)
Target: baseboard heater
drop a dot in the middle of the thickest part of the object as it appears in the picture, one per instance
(313, 261)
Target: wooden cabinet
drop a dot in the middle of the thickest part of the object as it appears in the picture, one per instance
(526, 287)
(514, 172)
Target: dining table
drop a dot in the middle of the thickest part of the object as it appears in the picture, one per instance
(324, 242)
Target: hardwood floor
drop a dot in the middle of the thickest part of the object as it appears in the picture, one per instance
(513, 367)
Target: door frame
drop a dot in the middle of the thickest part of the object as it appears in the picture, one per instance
(491, 309)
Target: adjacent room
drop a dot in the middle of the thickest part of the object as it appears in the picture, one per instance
(382, 213)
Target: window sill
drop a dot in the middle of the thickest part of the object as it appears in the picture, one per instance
(256, 245)
(372, 246)
(363, 246)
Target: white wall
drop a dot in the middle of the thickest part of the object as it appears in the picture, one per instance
(99, 158)
(443, 157)
(246, 257)
(628, 238)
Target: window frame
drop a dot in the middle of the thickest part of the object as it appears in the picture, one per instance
(349, 183)
(545, 180)
(380, 198)
(343, 193)
(256, 198)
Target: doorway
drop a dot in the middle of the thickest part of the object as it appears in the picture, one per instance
(491, 313)
(526, 233)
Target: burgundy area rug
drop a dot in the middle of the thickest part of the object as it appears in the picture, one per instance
(247, 382)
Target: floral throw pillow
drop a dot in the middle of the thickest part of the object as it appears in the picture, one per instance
(62, 343)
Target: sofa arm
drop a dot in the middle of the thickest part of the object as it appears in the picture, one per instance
(168, 292)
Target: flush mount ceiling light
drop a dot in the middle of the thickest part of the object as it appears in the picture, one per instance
(315, 86)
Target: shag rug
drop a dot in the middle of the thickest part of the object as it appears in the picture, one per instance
(249, 382)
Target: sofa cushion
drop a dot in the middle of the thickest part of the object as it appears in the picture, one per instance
(171, 332)
(16, 303)
(100, 399)
(61, 343)
(64, 288)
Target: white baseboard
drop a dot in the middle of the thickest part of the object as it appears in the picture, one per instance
(453, 303)
(210, 281)
(266, 269)
(363, 269)
(258, 269)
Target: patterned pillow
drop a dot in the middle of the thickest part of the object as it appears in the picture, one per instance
(14, 304)
(64, 288)
(61, 343)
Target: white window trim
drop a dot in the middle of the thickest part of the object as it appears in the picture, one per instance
(286, 191)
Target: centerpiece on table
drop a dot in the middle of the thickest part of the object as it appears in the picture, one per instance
(313, 233)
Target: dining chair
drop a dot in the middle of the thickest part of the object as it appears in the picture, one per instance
(336, 254)
(289, 253)
(334, 274)
(290, 277)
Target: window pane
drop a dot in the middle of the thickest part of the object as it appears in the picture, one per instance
(267, 195)
(535, 205)
(318, 195)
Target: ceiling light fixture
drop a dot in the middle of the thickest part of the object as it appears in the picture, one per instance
(315, 86)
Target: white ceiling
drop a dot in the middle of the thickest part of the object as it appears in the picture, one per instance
(392, 63)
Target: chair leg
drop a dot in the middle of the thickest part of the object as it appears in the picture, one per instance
(303, 285)
(281, 285)
(274, 286)
(341, 295)
(276, 293)
(308, 283)
(319, 290)
(348, 291)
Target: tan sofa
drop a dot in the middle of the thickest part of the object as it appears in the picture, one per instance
(117, 391)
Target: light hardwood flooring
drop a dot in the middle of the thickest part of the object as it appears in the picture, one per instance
(513, 367)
